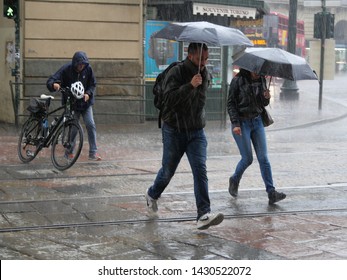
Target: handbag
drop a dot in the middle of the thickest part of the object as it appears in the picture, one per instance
(266, 118)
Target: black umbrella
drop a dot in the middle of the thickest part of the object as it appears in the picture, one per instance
(274, 62)
(203, 32)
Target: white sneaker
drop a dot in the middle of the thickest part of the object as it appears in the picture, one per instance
(95, 157)
(209, 219)
(152, 204)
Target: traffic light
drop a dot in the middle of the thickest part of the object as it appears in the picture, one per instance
(318, 25)
(11, 8)
(330, 26)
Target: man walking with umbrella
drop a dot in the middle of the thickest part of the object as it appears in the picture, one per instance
(185, 87)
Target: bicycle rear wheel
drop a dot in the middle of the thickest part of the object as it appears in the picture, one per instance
(29, 143)
(67, 145)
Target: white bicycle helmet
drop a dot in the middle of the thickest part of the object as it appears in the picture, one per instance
(77, 90)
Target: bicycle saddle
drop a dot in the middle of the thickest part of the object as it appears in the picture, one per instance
(44, 96)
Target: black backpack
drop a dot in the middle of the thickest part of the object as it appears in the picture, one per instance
(158, 90)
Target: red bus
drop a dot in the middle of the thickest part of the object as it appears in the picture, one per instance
(276, 32)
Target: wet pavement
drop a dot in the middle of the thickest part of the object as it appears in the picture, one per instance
(96, 210)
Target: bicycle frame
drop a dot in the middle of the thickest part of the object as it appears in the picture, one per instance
(66, 116)
(61, 135)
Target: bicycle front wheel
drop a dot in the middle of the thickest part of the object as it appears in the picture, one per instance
(30, 138)
(67, 145)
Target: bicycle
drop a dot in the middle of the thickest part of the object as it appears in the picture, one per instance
(65, 134)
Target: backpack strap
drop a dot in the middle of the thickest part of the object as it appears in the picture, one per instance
(182, 73)
(159, 118)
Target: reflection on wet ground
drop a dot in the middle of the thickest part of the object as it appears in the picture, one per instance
(97, 210)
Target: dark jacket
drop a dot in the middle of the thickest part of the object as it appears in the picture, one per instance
(67, 75)
(246, 99)
(184, 105)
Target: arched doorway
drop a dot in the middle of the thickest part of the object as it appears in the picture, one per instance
(340, 37)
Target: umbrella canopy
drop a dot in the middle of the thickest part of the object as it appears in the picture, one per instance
(274, 62)
(203, 32)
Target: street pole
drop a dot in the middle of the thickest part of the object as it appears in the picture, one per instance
(322, 52)
(288, 85)
(16, 71)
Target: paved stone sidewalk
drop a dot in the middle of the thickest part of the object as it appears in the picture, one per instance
(116, 227)
(97, 210)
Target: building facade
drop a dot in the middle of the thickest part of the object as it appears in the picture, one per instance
(109, 31)
(306, 9)
(112, 33)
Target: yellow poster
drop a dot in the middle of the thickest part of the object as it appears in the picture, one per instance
(284, 37)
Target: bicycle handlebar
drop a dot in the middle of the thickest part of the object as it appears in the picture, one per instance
(65, 90)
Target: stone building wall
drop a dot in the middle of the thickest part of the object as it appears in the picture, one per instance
(109, 31)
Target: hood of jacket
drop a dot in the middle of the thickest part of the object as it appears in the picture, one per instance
(79, 58)
(67, 75)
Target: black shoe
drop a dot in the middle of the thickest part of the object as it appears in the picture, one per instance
(233, 187)
(275, 196)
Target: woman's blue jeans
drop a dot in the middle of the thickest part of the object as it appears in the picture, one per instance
(175, 144)
(253, 132)
(88, 119)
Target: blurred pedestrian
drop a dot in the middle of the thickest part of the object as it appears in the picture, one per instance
(248, 95)
(183, 115)
(79, 69)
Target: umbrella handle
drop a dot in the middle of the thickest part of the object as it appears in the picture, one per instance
(270, 81)
(200, 59)
(269, 87)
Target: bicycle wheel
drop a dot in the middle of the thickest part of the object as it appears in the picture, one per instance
(29, 143)
(67, 145)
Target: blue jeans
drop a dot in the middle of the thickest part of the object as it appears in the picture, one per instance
(176, 143)
(253, 133)
(88, 119)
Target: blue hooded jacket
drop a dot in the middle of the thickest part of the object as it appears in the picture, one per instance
(68, 74)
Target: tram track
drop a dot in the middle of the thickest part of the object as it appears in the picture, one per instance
(164, 220)
(130, 171)
(43, 172)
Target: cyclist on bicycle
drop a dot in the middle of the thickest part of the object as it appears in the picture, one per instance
(79, 69)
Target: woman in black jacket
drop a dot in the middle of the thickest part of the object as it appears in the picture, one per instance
(247, 98)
